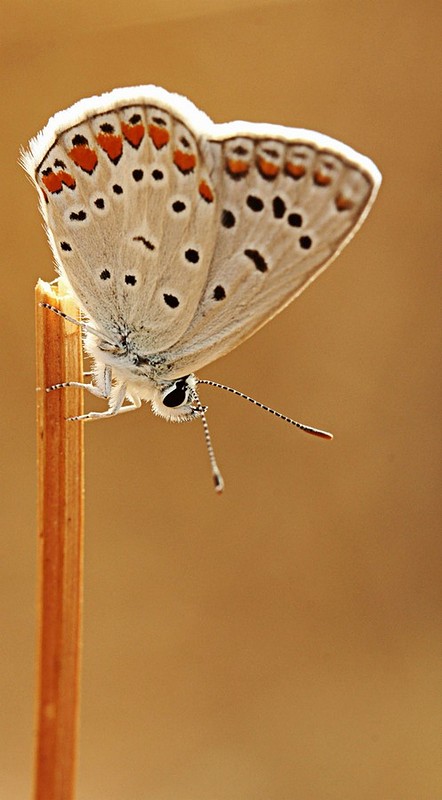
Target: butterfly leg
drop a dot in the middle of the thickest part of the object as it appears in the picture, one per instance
(115, 406)
(102, 389)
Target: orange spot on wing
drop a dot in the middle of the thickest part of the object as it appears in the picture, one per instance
(321, 179)
(184, 161)
(68, 180)
(237, 168)
(54, 181)
(111, 144)
(295, 171)
(343, 203)
(133, 133)
(267, 168)
(159, 136)
(205, 192)
(84, 157)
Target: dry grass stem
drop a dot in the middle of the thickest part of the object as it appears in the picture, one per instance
(60, 542)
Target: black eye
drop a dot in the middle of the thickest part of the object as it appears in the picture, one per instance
(176, 396)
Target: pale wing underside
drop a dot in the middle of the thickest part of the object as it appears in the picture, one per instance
(287, 207)
(131, 219)
(187, 236)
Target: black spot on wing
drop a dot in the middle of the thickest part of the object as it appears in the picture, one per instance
(145, 241)
(254, 203)
(279, 207)
(258, 259)
(192, 255)
(171, 300)
(227, 218)
(79, 140)
(295, 220)
(219, 293)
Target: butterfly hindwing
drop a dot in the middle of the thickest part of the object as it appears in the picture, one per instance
(286, 207)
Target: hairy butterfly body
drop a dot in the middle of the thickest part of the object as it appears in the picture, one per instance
(180, 237)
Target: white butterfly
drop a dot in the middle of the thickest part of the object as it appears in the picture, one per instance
(180, 238)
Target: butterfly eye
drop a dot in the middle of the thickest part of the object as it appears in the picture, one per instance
(177, 394)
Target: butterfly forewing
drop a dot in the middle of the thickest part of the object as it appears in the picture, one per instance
(131, 216)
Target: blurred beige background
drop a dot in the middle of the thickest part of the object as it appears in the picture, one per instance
(283, 641)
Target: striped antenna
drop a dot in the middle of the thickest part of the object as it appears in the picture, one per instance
(300, 425)
(216, 474)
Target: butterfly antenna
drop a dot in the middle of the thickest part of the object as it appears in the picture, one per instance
(300, 425)
(81, 323)
(216, 474)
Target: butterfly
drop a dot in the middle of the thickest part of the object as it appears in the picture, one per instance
(179, 238)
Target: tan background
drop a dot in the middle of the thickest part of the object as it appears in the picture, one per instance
(282, 641)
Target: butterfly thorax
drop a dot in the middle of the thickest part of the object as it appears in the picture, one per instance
(141, 378)
(125, 354)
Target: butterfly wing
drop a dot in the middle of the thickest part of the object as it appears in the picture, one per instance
(185, 235)
(288, 201)
(130, 210)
